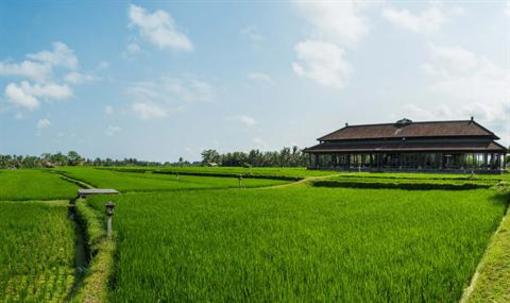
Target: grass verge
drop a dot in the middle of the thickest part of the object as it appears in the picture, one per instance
(100, 251)
(378, 184)
(491, 282)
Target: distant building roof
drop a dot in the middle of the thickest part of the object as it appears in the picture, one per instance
(406, 128)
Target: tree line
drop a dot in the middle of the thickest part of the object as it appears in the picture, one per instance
(287, 156)
(72, 158)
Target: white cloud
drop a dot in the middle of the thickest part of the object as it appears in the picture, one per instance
(40, 66)
(26, 95)
(48, 91)
(109, 110)
(321, 62)
(340, 21)
(336, 25)
(148, 111)
(428, 21)
(245, 120)
(168, 94)
(78, 78)
(41, 73)
(17, 96)
(507, 8)
(61, 55)
(33, 70)
(465, 84)
(260, 77)
(43, 123)
(158, 28)
(111, 130)
(445, 61)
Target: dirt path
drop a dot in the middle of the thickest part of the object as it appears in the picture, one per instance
(75, 181)
(302, 181)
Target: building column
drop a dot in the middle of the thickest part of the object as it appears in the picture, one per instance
(497, 158)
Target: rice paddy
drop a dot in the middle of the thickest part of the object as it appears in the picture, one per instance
(266, 172)
(32, 184)
(301, 244)
(129, 181)
(37, 249)
(197, 236)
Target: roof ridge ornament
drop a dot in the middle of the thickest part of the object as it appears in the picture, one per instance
(403, 122)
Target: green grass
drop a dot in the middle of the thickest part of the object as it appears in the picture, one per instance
(411, 181)
(265, 172)
(493, 281)
(128, 181)
(300, 244)
(405, 183)
(301, 172)
(36, 252)
(31, 184)
(489, 178)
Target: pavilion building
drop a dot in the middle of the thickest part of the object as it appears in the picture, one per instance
(454, 146)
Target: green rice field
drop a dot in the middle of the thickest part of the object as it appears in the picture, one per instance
(129, 181)
(287, 234)
(37, 249)
(303, 173)
(32, 184)
(301, 244)
(266, 172)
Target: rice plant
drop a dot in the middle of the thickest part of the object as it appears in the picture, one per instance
(129, 181)
(36, 252)
(300, 244)
(32, 184)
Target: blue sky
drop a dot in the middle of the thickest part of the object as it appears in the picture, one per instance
(160, 80)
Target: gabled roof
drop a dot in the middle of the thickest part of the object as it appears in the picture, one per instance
(407, 129)
(407, 146)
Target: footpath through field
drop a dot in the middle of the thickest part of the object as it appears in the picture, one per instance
(302, 181)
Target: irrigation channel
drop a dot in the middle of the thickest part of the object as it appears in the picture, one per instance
(84, 253)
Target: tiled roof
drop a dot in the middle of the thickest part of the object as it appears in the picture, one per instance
(409, 129)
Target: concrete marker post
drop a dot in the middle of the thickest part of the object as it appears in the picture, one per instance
(110, 206)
